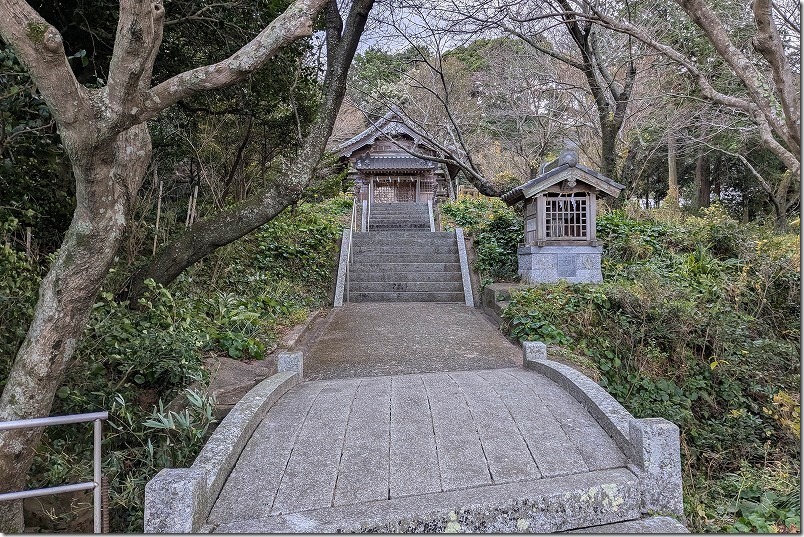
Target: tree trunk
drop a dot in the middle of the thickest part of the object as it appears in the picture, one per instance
(107, 141)
(207, 235)
(66, 295)
(672, 172)
(608, 148)
(703, 187)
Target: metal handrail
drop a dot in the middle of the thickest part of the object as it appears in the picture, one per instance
(370, 199)
(95, 484)
(349, 246)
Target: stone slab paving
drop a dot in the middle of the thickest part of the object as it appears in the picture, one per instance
(375, 444)
(375, 339)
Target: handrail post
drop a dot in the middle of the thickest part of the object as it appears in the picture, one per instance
(96, 467)
(349, 246)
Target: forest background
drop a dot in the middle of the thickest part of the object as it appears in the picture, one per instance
(690, 105)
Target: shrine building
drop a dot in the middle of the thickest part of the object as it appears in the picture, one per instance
(387, 164)
(560, 212)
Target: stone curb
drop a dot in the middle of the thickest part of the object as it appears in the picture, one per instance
(652, 444)
(533, 506)
(178, 500)
(343, 261)
(467, 282)
(611, 415)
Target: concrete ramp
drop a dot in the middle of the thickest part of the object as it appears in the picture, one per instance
(493, 450)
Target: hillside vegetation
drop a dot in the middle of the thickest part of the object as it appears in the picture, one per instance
(697, 321)
(147, 367)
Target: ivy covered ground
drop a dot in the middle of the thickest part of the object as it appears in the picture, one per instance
(697, 321)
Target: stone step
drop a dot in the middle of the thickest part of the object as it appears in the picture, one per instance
(424, 213)
(377, 223)
(399, 204)
(412, 210)
(412, 256)
(418, 209)
(648, 524)
(405, 287)
(448, 247)
(537, 505)
(411, 240)
(404, 267)
(387, 276)
(396, 234)
(399, 227)
(400, 296)
(398, 207)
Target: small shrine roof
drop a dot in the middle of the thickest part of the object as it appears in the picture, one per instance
(564, 167)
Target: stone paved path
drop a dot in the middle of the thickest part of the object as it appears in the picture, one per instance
(410, 411)
(371, 339)
(333, 450)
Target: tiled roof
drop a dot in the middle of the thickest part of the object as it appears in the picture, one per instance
(567, 160)
(394, 163)
(391, 124)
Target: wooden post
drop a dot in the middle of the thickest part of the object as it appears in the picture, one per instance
(158, 213)
(189, 211)
(194, 213)
(541, 223)
(28, 235)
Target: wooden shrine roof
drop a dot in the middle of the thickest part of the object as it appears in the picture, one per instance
(564, 167)
(391, 124)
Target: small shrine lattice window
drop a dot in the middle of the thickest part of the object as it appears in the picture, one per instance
(566, 216)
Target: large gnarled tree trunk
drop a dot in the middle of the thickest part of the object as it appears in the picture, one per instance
(107, 141)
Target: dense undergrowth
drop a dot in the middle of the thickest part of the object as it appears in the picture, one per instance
(147, 366)
(698, 322)
(495, 230)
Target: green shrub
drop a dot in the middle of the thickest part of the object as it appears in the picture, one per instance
(19, 284)
(697, 321)
(146, 366)
(496, 230)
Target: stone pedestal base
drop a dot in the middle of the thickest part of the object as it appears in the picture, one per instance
(550, 264)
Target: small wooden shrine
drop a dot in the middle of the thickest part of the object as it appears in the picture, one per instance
(560, 213)
(386, 164)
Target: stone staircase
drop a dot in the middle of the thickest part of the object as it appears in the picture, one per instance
(400, 260)
(399, 216)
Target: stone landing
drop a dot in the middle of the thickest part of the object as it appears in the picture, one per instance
(373, 339)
